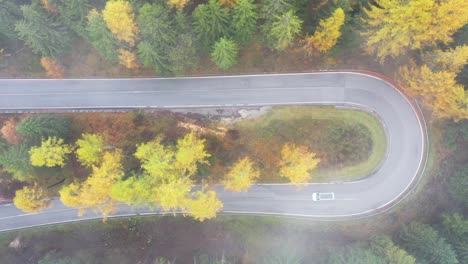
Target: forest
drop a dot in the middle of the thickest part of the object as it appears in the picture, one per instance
(85, 158)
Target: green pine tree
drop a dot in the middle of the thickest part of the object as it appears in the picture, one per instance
(43, 33)
(284, 30)
(9, 14)
(42, 126)
(210, 22)
(225, 53)
(101, 38)
(244, 20)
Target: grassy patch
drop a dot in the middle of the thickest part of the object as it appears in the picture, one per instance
(350, 143)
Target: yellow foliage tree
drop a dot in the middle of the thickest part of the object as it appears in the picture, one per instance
(89, 149)
(53, 69)
(51, 153)
(327, 34)
(241, 176)
(128, 59)
(394, 26)
(179, 4)
(450, 60)
(297, 163)
(204, 205)
(190, 152)
(31, 199)
(438, 91)
(95, 192)
(120, 19)
(166, 181)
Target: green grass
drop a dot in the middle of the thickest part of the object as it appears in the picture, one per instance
(351, 143)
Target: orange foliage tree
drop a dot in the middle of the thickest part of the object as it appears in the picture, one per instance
(9, 132)
(128, 59)
(53, 69)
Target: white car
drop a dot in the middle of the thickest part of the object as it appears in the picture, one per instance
(323, 196)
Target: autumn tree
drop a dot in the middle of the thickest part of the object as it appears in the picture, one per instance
(128, 59)
(178, 4)
(95, 191)
(327, 34)
(204, 205)
(31, 199)
(210, 22)
(42, 32)
(9, 14)
(225, 53)
(244, 20)
(165, 181)
(297, 163)
(394, 27)
(9, 132)
(40, 126)
(190, 153)
(241, 176)
(49, 7)
(89, 149)
(451, 60)
(52, 152)
(101, 38)
(120, 19)
(52, 67)
(438, 91)
(228, 3)
(284, 30)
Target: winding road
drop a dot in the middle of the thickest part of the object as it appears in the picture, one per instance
(400, 116)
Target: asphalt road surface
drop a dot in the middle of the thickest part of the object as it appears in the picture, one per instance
(401, 119)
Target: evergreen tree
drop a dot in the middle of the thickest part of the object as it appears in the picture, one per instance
(210, 22)
(458, 185)
(425, 244)
(158, 34)
(42, 126)
(9, 14)
(15, 160)
(354, 255)
(73, 14)
(244, 20)
(182, 55)
(225, 53)
(42, 32)
(101, 38)
(284, 30)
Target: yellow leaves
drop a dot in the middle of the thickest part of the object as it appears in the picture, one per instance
(438, 91)
(128, 59)
(327, 34)
(95, 191)
(241, 176)
(89, 149)
(155, 158)
(172, 195)
(393, 27)
(51, 153)
(120, 19)
(31, 199)
(53, 69)
(450, 60)
(190, 151)
(296, 163)
(179, 4)
(205, 205)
